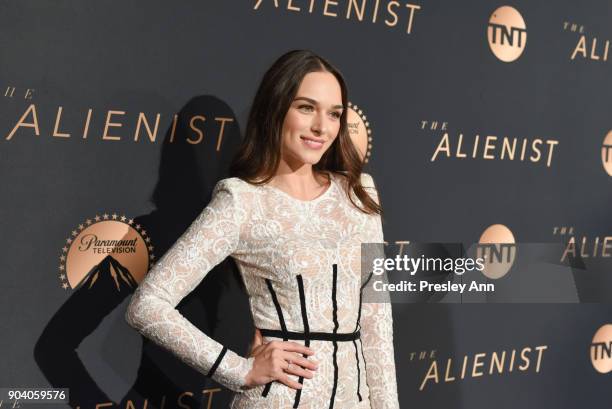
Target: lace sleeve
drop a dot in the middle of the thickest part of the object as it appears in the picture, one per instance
(377, 331)
(211, 238)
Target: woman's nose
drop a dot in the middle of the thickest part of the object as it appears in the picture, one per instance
(319, 125)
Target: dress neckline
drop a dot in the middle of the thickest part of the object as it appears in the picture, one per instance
(316, 199)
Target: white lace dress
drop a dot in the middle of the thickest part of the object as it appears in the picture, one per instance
(300, 261)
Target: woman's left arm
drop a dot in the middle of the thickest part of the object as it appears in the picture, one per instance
(377, 330)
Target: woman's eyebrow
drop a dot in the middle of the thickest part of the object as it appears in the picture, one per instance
(314, 102)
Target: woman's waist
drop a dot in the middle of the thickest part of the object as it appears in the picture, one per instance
(296, 326)
(307, 335)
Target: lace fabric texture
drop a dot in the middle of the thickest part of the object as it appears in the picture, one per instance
(275, 238)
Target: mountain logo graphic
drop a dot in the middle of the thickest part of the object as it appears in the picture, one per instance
(110, 251)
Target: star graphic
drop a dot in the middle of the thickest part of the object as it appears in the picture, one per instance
(81, 226)
(65, 286)
(144, 233)
(64, 249)
(74, 233)
(62, 258)
(61, 267)
(150, 248)
(148, 239)
(105, 215)
(130, 221)
(115, 216)
(68, 241)
(62, 277)
(137, 227)
(97, 218)
(151, 257)
(88, 221)
(123, 218)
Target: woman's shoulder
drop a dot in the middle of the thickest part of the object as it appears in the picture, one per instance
(365, 178)
(230, 183)
(237, 187)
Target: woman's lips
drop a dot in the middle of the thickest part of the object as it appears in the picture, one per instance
(312, 143)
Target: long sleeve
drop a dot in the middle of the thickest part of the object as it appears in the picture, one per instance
(377, 331)
(152, 311)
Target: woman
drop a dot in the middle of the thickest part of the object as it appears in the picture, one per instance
(293, 216)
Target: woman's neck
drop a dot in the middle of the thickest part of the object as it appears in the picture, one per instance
(301, 182)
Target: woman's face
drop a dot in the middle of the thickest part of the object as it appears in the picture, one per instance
(312, 121)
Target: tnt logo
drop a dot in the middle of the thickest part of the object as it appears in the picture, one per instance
(498, 250)
(507, 33)
(601, 349)
(606, 153)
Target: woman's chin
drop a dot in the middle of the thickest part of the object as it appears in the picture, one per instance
(310, 159)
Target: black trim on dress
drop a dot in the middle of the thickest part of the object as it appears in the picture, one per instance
(336, 325)
(312, 336)
(281, 320)
(213, 368)
(298, 393)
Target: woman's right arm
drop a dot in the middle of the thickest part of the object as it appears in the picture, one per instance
(212, 237)
(152, 310)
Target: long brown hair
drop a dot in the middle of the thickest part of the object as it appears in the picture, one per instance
(258, 156)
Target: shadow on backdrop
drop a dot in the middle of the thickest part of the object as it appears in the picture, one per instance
(187, 175)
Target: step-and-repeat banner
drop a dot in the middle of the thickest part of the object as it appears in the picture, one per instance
(481, 122)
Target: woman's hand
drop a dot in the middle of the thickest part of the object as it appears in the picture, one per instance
(276, 360)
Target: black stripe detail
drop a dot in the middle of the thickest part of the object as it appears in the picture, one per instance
(359, 310)
(358, 371)
(335, 305)
(213, 368)
(312, 336)
(368, 280)
(279, 311)
(334, 301)
(357, 325)
(365, 364)
(298, 393)
(281, 320)
(303, 305)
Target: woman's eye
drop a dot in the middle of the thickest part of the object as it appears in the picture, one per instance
(336, 114)
(307, 108)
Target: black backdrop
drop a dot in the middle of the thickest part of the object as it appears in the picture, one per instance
(205, 59)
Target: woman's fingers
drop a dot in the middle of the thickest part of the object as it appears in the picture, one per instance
(285, 379)
(280, 361)
(294, 369)
(291, 347)
(299, 360)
